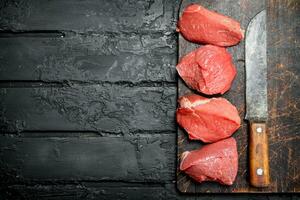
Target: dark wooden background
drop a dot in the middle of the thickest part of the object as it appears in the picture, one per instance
(87, 100)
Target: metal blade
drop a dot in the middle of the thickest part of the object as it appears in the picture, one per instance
(256, 69)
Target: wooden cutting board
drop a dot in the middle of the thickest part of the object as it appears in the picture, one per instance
(283, 19)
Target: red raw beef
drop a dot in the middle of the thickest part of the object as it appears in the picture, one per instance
(208, 69)
(199, 25)
(213, 162)
(208, 120)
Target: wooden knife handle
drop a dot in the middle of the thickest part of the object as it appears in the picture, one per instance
(259, 155)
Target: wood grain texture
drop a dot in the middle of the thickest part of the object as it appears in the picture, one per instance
(259, 169)
(110, 57)
(92, 191)
(283, 97)
(105, 108)
(118, 191)
(87, 16)
(145, 158)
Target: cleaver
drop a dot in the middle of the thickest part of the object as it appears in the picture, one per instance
(256, 100)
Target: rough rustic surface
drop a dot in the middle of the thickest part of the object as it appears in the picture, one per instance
(110, 57)
(144, 158)
(88, 92)
(87, 16)
(283, 95)
(117, 191)
(103, 108)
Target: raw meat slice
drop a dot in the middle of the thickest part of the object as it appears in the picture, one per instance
(208, 120)
(208, 69)
(213, 162)
(199, 25)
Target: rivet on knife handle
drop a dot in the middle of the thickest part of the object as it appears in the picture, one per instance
(259, 155)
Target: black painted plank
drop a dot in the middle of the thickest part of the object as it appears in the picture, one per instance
(96, 191)
(103, 108)
(88, 15)
(100, 57)
(120, 191)
(70, 192)
(145, 158)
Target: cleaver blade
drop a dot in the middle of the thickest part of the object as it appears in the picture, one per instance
(256, 100)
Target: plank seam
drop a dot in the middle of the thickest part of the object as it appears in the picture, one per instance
(70, 83)
(33, 182)
(85, 133)
(70, 33)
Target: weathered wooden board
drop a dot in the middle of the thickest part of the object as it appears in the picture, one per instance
(283, 94)
(87, 16)
(110, 57)
(118, 191)
(144, 158)
(104, 108)
(106, 191)
(103, 191)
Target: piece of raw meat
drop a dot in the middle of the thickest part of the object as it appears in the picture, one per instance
(213, 162)
(199, 25)
(208, 69)
(208, 120)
